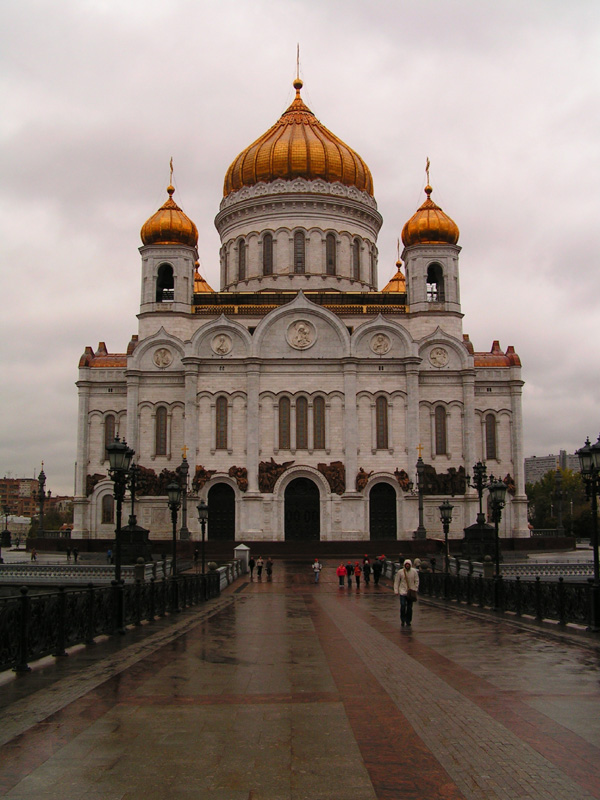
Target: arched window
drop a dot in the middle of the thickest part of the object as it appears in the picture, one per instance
(267, 254)
(241, 260)
(435, 284)
(108, 509)
(302, 423)
(160, 437)
(109, 432)
(356, 259)
(284, 423)
(299, 253)
(165, 285)
(319, 423)
(440, 431)
(490, 436)
(381, 414)
(331, 254)
(221, 432)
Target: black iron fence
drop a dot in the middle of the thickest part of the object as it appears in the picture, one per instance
(36, 625)
(557, 600)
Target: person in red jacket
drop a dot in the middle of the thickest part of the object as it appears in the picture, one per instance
(357, 574)
(341, 573)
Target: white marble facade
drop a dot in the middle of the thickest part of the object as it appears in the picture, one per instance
(327, 356)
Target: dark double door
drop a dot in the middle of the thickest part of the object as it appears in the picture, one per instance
(302, 511)
(221, 513)
(382, 512)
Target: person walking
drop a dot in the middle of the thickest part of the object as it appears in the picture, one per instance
(367, 570)
(316, 568)
(269, 568)
(75, 554)
(69, 554)
(349, 573)
(33, 554)
(251, 565)
(357, 574)
(109, 556)
(259, 567)
(341, 573)
(406, 585)
(377, 568)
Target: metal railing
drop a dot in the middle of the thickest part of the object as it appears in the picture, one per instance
(36, 625)
(541, 600)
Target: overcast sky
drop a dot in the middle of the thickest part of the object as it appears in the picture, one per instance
(96, 95)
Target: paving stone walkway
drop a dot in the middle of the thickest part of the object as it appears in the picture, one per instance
(287, 690)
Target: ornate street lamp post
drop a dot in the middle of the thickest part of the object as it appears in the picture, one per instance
(480, 482)
(589, 463)
(497, 490)
(41, 499)
(184, 469)
(119, 458)
(202, 517)
(174, 495)
(446, 509)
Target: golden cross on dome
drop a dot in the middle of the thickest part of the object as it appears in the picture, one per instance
(398, 248)
(420, 450)
(427, 165)
(298, 61)
(171, 171)
(184, 450)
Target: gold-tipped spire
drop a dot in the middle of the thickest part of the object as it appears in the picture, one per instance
(200, 285)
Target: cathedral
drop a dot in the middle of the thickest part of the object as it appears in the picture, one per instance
(299, 395)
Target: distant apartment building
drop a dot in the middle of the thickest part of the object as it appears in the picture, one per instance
(537, 466)
(20, 495)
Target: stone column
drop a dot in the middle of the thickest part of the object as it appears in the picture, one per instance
(412, 416)
(83, 428)
(350, 423)
(516, 391)
(468, 423)
(252, 422)
(191, 422)
(133, 397)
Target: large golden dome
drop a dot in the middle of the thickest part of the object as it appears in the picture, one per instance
(429, 225)
(298, 146)
(169, 225)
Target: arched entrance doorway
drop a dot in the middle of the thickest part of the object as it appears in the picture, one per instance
(382, 512)
(221, 512)
(302, 511)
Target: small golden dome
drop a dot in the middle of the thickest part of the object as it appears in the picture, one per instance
(200, 285)
(430, 225)
(169, 225)
(398, 282)
(298, 146)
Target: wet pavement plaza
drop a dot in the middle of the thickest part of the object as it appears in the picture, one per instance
(287, 690)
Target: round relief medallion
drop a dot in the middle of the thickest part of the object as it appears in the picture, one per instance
(438, 357)
(222, 344)
(301, 335)
(380, 344)
(162, 357)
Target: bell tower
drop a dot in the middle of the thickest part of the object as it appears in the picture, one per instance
(431, 258)
(169, 255)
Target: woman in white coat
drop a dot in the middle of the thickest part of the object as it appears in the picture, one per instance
(406, 584)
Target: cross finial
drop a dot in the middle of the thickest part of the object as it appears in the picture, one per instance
(427, 165)
(171, 171)
(420, 450)
(184, 450)
(298, 61)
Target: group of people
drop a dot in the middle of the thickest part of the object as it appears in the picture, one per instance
(259, 564)
(356, 570)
